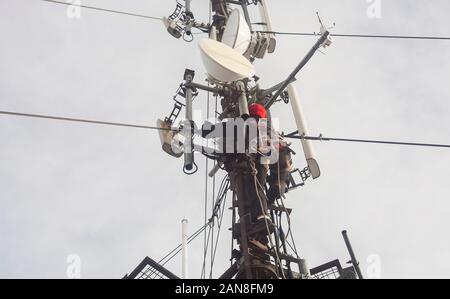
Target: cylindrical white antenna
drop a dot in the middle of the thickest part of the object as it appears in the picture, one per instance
(265, 17)
(184, 249)
(303, 130)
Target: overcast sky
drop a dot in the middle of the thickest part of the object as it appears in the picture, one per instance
(111, 196)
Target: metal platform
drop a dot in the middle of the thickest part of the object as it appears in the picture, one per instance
(149, 269)
(333, 270)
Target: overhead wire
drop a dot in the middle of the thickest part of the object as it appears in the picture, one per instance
(321, 138)
(291, 136)
(218, 212)
(360, 35)
(206, 186)
(97, 122)
(205, 252)
(288, 216)
(219, 225)
(190, 239)
(213, 197)
(178, 250)
(222, 190)
(212, 257)
(104, 9)
(169, 256)
(290, 232)
(378, 36)
(205, 243)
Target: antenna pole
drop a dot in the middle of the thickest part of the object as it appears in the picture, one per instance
(291, 77)
(352, 255)
(189, 153)
(184, 250)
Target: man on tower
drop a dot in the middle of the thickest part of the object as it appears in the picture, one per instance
(249, 139)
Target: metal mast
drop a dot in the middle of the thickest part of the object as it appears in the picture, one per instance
(258, 255)
(262, 246)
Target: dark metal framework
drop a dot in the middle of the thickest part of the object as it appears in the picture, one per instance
(333, 270)
(149, 269)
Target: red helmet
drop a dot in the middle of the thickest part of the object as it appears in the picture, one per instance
(257, 111)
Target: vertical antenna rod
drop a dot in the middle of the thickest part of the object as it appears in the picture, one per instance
(189, 153)
(188, 5)
(352, 255)
(184, 250)
(291, 77)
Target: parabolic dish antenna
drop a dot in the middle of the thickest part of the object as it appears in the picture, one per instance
(223, 63)
(237, 34)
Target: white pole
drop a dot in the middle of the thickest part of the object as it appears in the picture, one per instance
(303, 130)
(184, 250)
(213, 33)
(265, 17)
(264, 12)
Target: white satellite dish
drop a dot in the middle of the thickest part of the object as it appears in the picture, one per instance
(237, 34)
(223, 63)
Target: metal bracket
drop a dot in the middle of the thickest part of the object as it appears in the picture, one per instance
(179, 99)
(285, 97)
(180, 96)
(304, 175)
(182, 20)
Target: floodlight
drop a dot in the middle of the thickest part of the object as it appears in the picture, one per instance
(169, 141)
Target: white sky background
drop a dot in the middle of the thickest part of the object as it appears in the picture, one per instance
(113, 197)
